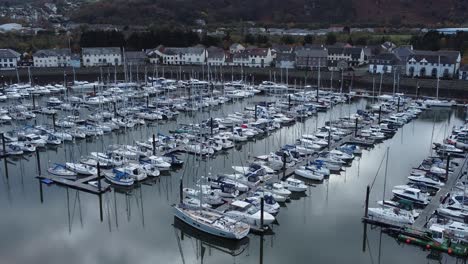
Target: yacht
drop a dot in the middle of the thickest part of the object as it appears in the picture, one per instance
(412, 194)
(211, 222)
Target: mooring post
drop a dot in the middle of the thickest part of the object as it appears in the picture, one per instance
(99, 176)
(147, 101)
(181, 197)
(41, 195)
(284, 165)
(34, 101)
(398, 106)
(255, 112)
(356, 127)
(329, 137)
(5, 155)
(380, 113)
(100, 207)
(262, 201)
(211, 126)
(289, 102)
(94, 89)
(115, 109)
(154, 145)
(53, 121)
(317, 94)
(367, 201)
(447, 168)
(38, 159)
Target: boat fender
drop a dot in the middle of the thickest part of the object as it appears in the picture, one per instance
(449, 250)
(408, 241)
(428, 246)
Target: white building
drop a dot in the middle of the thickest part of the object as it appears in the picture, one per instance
(384, 63)
(435, 64)
(463, 73)
(52, 58)
(9, 59)
(196, 55)
(256, 57)
(340, 58)
(216, 56)
(101, 56)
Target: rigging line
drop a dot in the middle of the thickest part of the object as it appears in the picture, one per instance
(378, 170)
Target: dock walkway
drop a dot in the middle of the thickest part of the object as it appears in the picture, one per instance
(426, 214)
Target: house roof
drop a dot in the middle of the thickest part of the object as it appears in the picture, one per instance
(236, 46)
(403, 51)
(317, 53)
(185, 50)
(52, 52)
(445, 56)
(281, 48)
(100, 51)
(285, 57)
(385, 59)
(135, 55)
(9, 53)
(262, 52)
(215, 52)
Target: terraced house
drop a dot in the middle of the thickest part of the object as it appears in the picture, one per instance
(8, 59)
(52, 58)
(435, 64)
(111, 56)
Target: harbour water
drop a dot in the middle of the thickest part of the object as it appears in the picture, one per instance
(322, 226)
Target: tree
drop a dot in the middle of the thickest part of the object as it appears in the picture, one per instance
(331, 39)
(210, 41)
(249, 39)
(346, 30)
(361, 41)
(350, 41)
(308, 39)
(287, 39)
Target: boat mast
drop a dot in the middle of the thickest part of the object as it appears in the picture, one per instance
(438, 79)
(385, 177)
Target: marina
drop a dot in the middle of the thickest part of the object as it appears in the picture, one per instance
(326, 203)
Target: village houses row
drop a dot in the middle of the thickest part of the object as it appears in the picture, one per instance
(382, 59)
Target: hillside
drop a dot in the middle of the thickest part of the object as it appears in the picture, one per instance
(393, 12)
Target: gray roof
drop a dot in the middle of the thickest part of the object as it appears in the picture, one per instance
(403, 51)
(385, 59)
(285, 57)
(315, 53)
(344, 50)
(132, 55)
(9, 53)
(100, 51)
(215, 52)
(52, 52)
(445, 56)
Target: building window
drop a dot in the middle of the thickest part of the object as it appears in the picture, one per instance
(411, 71)
(446, 73)
(422, 72)
(434, 72)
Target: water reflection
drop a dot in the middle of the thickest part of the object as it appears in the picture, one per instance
(51, 224)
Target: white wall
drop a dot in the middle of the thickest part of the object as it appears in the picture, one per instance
(8, 63)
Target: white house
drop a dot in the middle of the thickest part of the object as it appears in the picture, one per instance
(236, 47)
(344, 57)
(52, 58)
(463, 73)
(435, 64)
(9, 59)
(101, 56)
(254, 57)
(196, 55)
(216, 56)
(384, 63)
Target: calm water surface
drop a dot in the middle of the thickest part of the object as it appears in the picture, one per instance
(322, 226)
